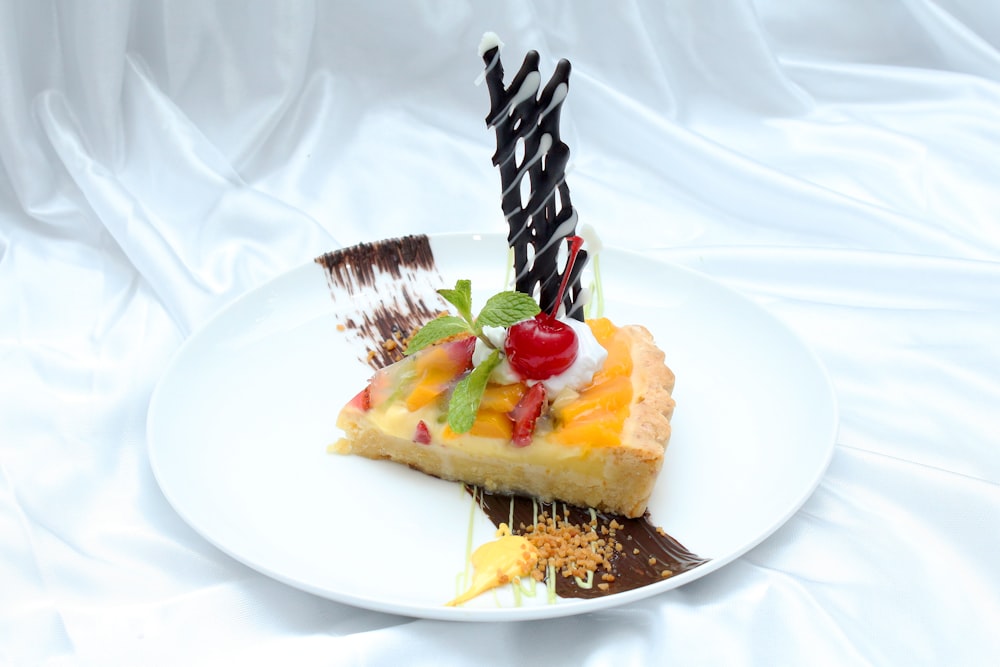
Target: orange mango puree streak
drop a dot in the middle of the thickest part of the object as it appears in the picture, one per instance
(594, 417)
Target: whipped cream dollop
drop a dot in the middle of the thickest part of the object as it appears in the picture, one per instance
(497, 336)
(590, 357)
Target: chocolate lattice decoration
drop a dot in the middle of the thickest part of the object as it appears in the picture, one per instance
(523, 117)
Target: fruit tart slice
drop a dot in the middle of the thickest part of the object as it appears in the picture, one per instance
(480, 401)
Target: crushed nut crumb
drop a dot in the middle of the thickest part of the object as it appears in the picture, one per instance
(573, 550)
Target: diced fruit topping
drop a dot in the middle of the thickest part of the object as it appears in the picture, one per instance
(492, 424)
(525, 415)
(436, 369)
(602, 430)
(602, 328)
(422, 436)
(500, 310)
(460, 351)
(596, 414)
(363, 400)
(611, 395)
(502, 397)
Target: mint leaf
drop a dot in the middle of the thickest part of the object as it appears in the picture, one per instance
(505, 309)
(468, 394)
(435, 330)
(461, 298)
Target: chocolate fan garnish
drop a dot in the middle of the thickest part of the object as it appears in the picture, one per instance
(384, 291)
(523, 117)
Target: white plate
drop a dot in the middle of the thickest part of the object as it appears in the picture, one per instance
(239, 423)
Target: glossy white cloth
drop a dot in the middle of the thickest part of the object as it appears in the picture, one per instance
(837, 162)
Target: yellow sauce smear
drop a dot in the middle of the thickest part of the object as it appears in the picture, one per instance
(506, 559)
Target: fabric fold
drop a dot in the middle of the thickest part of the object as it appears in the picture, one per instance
(835, 162)
(195, 231)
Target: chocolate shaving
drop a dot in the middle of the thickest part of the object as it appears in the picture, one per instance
(385, 288)
(522, 117)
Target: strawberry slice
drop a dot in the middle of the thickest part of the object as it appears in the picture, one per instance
(363, 400)
(526, 413)
(461, 351)
(422, 436)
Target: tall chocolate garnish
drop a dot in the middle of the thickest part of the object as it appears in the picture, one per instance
(528, 143)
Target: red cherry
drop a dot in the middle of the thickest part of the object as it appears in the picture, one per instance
(541, 347)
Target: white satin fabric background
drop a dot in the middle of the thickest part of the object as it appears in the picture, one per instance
(839, 163)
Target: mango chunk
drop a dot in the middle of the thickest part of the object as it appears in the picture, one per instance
(492, 424)
(602, 328)
(619, 361)
(435, 370)
(595, 417)
(502, 397)
(601, 429)
(611, 395)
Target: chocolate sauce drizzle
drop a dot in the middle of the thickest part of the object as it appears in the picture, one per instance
(646, 552)
(387, 290)
(537, 228)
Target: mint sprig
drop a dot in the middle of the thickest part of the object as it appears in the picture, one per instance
(505, 309)
(435, 330)
(460, 297)
(468, 394)
(500, 310)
